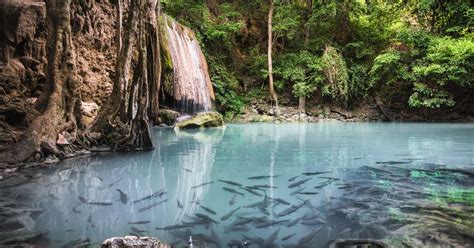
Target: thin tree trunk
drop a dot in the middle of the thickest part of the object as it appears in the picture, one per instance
(153, 59)
(273, 94)
(116, 101)
(60, 95)
(309, 11)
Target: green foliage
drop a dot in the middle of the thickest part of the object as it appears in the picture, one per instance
(336, 73)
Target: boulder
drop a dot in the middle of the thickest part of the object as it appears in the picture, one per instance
(133, 241)
(168, 116)
(89, 111)
(202, 119)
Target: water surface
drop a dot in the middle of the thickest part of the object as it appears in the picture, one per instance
(403, 183)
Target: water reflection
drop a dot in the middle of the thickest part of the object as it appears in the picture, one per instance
(300, 185)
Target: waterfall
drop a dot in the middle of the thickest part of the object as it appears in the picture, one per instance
(192, 88)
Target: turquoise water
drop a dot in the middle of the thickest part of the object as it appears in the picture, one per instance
(411, 183)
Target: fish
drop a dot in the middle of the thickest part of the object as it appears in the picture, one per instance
(232, 191)
(293, 178)
(137, 230)
(140, 222)
(313, 222)
(251, 191)
(204, 238)
(236, 228)
(77, 243)
(299, 190)
(70, 230)
(53, 196)
(82, 199)
(288, 237)
(293, 222)
(232, 200)
(205, 217)
(331, 178)
(321, 185)
(115, 182)
(306, 238)
(123, 196)
(262, 177)
(308, 193)
(315, 173)
(100, 203)
(173, 227)
(271, 239)
(89, 219)
(179, 204)
(281, 201)
(152, 205)
(159, 194)
(269, 223)
(264, 186)
(264, 210)
(297, 184)
(231, 183)
(243, 221)
(200, 185)
(291, 209)
(209, 210)
(229, 214)
(186, 169)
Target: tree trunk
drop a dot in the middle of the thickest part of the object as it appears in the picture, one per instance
(309, 11)
(59, 97)
(153, 59)
(116, 101)
(302, 105)
(139, 137)
(273, 94)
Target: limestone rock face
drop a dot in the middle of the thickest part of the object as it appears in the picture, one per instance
(132, 241)
(203, 119)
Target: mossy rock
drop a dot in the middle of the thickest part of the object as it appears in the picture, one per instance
(168, 116)
(203, 119)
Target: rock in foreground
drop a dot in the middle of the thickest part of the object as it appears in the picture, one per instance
(133, 241)
(203, 119)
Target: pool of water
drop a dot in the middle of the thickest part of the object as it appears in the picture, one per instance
(271, 185)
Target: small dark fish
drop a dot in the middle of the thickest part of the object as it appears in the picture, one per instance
(70, 230)
(293, 222)
(313, 222)
(89, 219)
(298, 183)
(264, 186)
(288, 237)
(321, 185)
(309, 236)
(281, 201)
(291, 209)
(232, 191)
(394, 162)
(308, 193)
(100, 203)
(188, 170)
(179, 204)
(140, 222)
(331, 178)
(173, 227)
(152, 205)
(271, 239)
(299, 190)
(209, 210)
(100, 178)
(293, 178)
(315, 173)
(228, 215)
(115, 182)
(262, 177)
(123, 196)
(137, 230)
(159, 193)
(232, 200)
(231, 183)
(251, 191)
(82, 199)
(205, 217)
(202, 184)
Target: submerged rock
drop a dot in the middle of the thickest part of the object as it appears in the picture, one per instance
(203, 119)
(133, 241)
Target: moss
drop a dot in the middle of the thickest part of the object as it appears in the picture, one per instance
(203, 119)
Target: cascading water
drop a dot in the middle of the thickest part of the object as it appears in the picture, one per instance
(192, 88)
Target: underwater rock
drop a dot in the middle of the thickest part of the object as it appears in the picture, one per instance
(168, 116)
(203, 119)
(133, 241)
